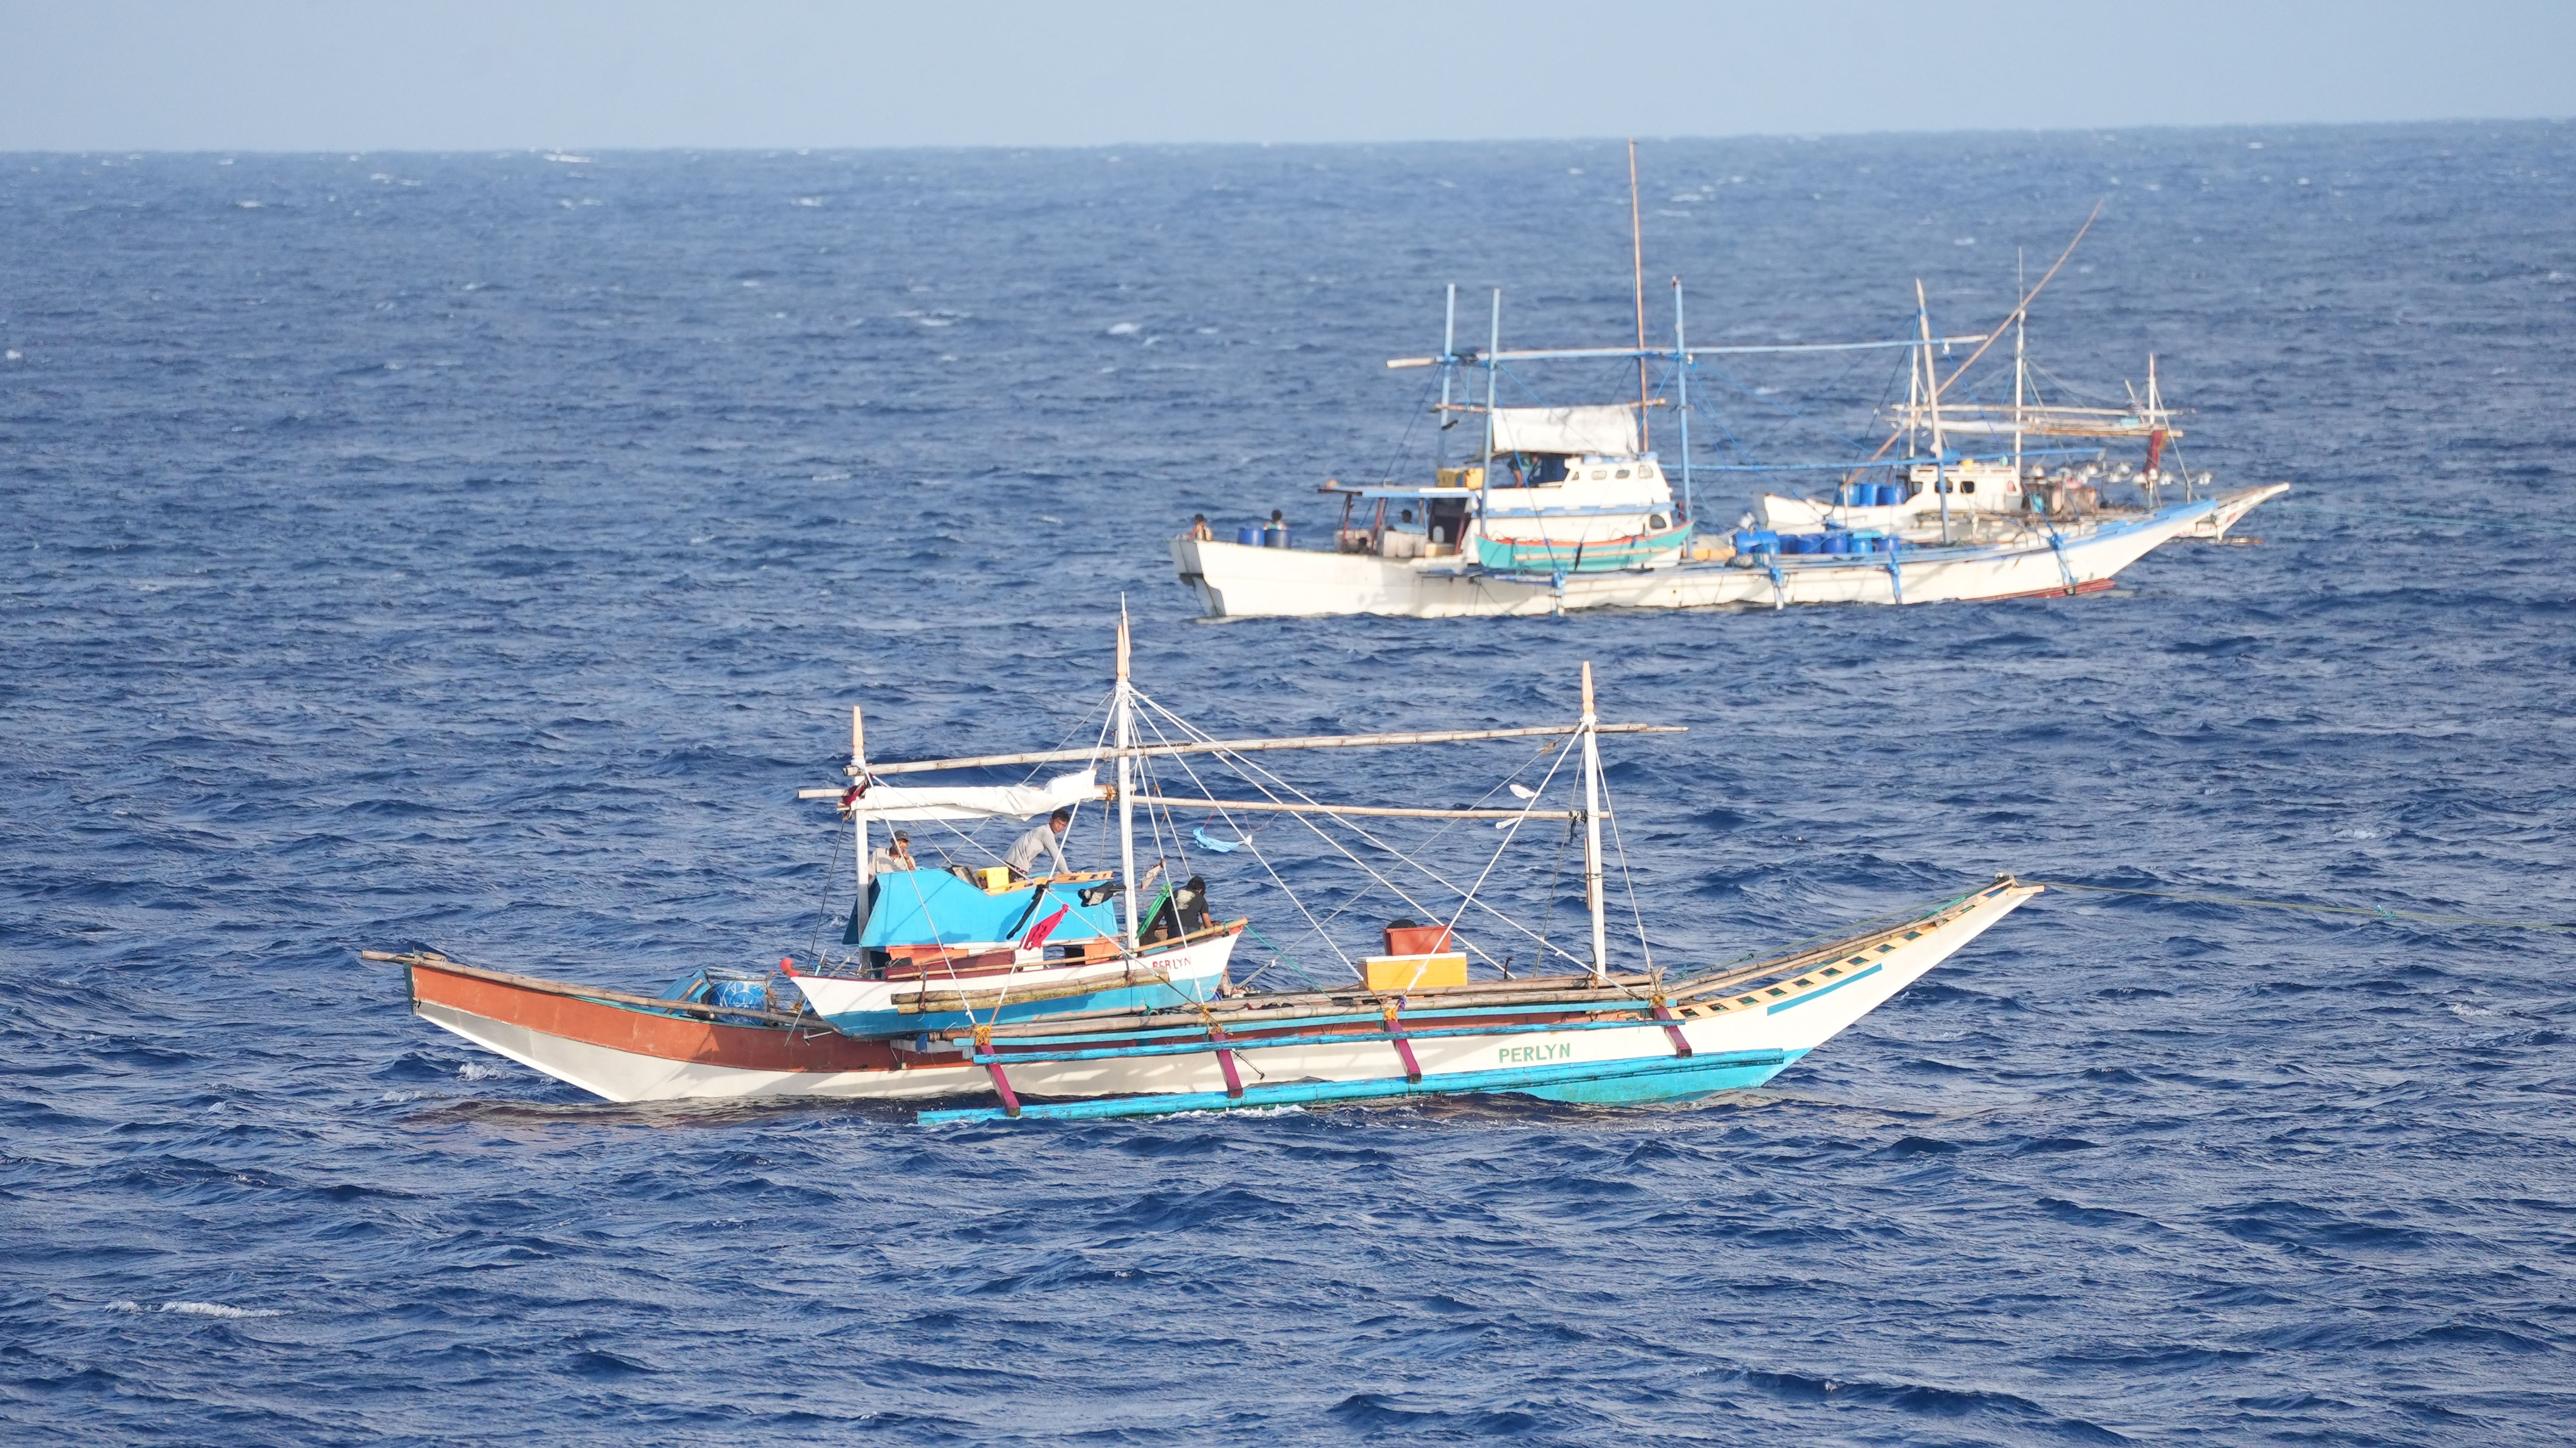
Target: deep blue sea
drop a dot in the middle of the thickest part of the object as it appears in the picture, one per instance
(477, 551)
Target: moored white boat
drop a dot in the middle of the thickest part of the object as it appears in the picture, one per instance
(1235, 581)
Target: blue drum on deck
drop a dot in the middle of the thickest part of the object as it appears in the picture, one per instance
(750, 995)
(1248, 537)
(1766, 538)
(1274, 537)
(1745, 540)
(1890, 494)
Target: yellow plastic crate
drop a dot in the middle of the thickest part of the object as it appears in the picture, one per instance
(1392, 973)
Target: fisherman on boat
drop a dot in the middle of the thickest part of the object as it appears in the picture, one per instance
(1183, 912)
(894, 857)
(1199, 529)
(1023, 854)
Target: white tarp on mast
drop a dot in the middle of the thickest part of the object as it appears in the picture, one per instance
(977, 801)
(1609, 430)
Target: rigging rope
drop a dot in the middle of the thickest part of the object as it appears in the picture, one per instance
(1248, 769)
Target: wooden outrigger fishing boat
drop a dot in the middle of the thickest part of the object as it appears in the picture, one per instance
(1138, 1021)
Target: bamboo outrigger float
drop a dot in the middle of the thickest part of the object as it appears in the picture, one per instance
(1118, 1018)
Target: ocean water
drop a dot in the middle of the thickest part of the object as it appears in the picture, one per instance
(478, 551)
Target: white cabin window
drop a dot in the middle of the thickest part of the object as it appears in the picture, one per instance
(1623, 472)
(1968, 485)
(1599, 473)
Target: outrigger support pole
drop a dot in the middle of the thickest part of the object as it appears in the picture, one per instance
(1592, 835)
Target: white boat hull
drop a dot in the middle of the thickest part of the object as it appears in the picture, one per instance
(1913, 520)
(622, 1050)
(1234, 581)
(896, 1007)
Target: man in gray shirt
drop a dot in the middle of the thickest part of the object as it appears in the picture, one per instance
(1023, 854)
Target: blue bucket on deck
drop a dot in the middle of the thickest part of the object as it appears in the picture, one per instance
(750, 995)
(1248, 537)
(1889, 494)
(1275, 536)
(1838, 543)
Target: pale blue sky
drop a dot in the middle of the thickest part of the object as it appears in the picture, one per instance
(475, 74)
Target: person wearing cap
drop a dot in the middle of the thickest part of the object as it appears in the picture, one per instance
(1023, 854)
(894, 857)
(1199, 529)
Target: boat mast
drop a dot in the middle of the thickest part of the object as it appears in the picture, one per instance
(1493, 374)
(1681, 380)
(1448, 374)
(1637, 261)
(1592, 833)
(1932, 399)
(1124, 703)
(2021, 315)
(858, 821)
(1913, 399)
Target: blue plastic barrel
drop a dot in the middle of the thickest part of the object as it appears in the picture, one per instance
(1274, 536)
(1248, 537)
(1768, 539)
(1887, 495)
(743, 994)
(1838, 543)
(1745, 539)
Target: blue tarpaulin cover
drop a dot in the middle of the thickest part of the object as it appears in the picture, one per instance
(933, 907)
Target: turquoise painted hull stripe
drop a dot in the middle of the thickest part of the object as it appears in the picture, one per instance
(1508, 556)
(1822, 990)
(1677, 1086)
(1241, 1044)
(1680, 1078)
(1411, 1017)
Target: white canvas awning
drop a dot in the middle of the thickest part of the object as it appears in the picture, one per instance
(970, 801)
(1607, 430)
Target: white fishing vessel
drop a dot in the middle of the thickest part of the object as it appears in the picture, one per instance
(1440, 1010)
(1567, 507)
(1940, 488)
